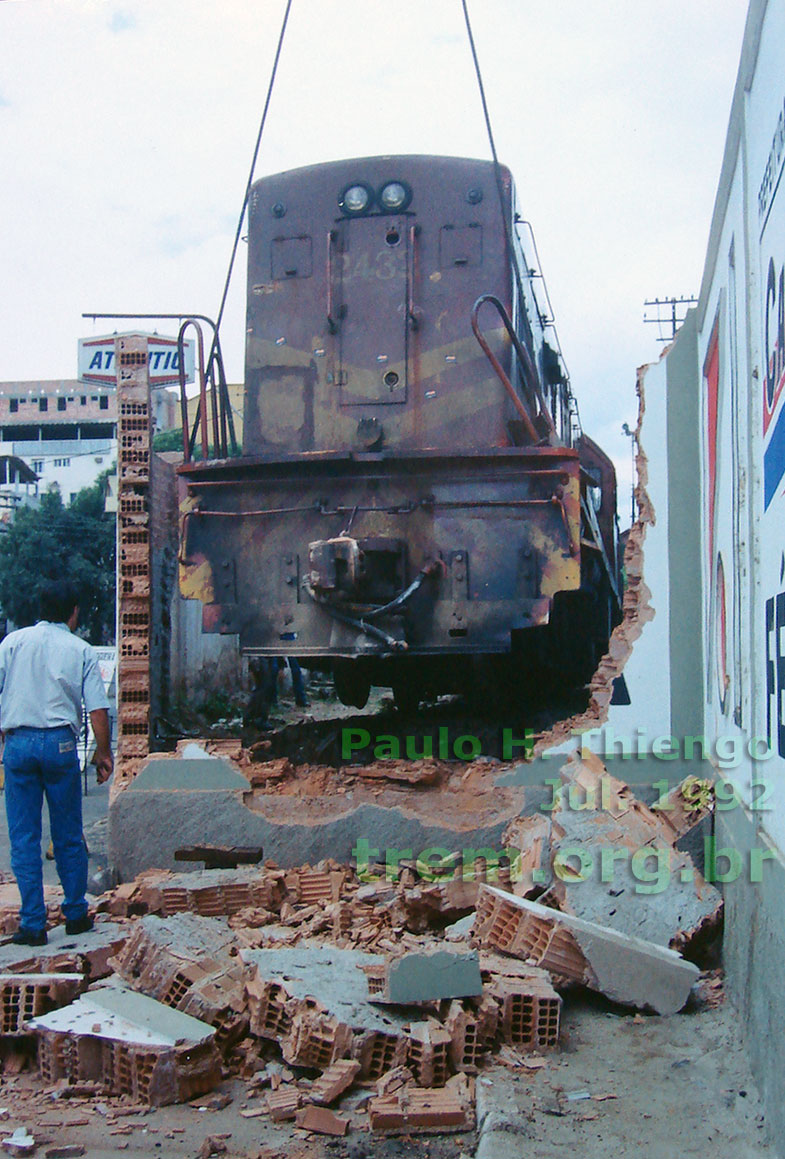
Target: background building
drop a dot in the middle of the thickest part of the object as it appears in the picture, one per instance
(65, 430)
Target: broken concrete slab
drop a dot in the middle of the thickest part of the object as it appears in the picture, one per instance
(624, 968)
(71, 953)
(311, 815)
(432, 975)
(461, 930)
(185, 962)
(128, 1044)
(314, 1001)
(156, 947)
(21, 1142)
(615, 862)
(334, 978)
(197, 774)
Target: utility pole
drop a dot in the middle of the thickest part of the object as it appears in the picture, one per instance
(670, 312)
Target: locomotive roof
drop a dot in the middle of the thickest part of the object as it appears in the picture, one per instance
(405, 160)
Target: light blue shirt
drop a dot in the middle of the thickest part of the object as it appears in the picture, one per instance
(45, 674)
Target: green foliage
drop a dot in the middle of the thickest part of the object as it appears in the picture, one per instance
(56, 542)
(171, 440)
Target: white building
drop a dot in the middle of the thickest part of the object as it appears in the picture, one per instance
(65, 430)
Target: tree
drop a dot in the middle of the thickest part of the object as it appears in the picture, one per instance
(55, 542)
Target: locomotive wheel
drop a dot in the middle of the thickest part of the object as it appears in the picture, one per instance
(493, 690)
(573, 629)
(352, 684)
(407, 697)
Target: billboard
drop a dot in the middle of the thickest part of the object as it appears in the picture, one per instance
(97, 361)
(771, 226)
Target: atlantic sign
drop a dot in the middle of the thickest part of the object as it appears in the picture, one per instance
(97, 361)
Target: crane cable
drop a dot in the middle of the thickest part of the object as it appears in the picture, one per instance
(248, 186)
(498, 174)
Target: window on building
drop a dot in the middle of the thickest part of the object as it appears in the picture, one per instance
(83, 400)
(14, 405)
(99, 458)
(38, 466)
(43, 404)
(62, 462)
(104, 403)
(61, 404)
(93, 398)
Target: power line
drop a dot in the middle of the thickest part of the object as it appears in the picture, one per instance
(676, 312)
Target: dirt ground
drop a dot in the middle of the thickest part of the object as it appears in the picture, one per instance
(620, 1084)
(624, 1084)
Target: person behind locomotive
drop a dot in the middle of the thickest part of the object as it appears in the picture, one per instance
(46, 672)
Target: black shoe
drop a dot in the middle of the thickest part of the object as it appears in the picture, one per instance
(24, 937)
(79, 925)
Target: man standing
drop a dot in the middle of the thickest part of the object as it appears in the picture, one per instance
(45, 674)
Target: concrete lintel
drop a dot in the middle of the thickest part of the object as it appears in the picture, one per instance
(627, 969)
(118, 1013)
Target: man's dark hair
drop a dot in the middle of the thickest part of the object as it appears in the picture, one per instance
(57, 601)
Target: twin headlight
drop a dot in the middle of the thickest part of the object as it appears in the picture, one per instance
(358, 198)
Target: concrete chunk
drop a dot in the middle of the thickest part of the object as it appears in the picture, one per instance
(427, 977)
(625, 969)
(86, 953)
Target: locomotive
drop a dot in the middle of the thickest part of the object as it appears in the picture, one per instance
(414, 505)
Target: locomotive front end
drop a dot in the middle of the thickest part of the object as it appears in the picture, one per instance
(398, 508)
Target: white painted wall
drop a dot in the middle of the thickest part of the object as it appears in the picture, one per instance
(745, 526)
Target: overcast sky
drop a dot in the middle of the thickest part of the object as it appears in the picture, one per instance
(126, 132)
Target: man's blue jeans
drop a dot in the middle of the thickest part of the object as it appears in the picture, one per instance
(42, 762)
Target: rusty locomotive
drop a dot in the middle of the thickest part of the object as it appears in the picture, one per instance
(414, 505)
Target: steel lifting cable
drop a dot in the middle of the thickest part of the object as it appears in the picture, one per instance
(496, 166)
(248, 185)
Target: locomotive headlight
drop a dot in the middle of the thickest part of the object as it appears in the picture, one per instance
(395, 195)
(355, 199)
